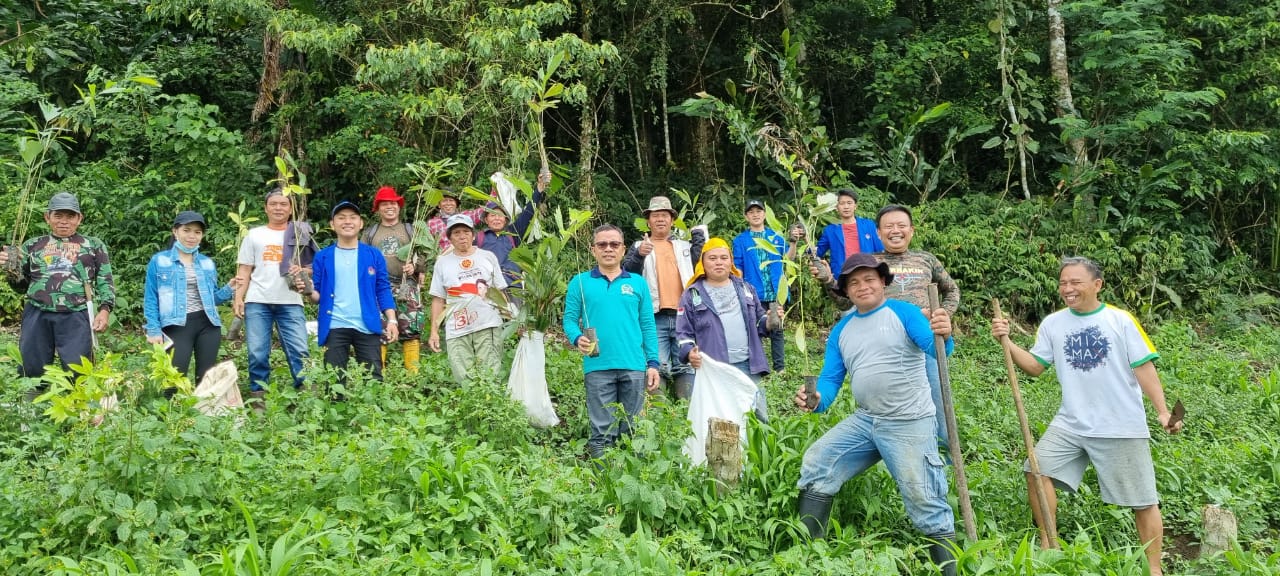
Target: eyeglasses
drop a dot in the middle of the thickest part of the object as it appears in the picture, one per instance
(614, 244)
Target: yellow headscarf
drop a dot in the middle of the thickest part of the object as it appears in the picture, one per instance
(712, 244)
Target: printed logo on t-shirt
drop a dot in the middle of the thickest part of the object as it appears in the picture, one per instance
(627, 290)
(467, 263)
(1086, 349)
(370, 271)
(273, 253)
(389, 246)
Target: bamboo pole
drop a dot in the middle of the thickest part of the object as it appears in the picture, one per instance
(953, 434)
(1048, 525)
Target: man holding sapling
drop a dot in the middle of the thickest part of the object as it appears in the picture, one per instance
(762, 269)
(264, 296)
(667, 265)
(1104, 362)
(354, 293)
(894, 420)
(473, 323)
(608, 317)
(913, 272)
(65, 276)
(389, 233)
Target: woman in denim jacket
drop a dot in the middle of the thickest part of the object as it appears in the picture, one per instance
(181, 296)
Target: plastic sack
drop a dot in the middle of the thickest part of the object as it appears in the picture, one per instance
(528, 381)
(219, 390)
(508, 196)
(719, 391)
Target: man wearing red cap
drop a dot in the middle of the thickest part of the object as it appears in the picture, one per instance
(389, 234)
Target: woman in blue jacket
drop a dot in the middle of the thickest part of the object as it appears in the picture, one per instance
(181, 296)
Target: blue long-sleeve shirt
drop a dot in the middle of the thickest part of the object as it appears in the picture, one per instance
(374, 284)
(749, 258)
(884, 352)
(621, 312)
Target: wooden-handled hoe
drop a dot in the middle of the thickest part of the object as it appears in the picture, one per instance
(1048, 524)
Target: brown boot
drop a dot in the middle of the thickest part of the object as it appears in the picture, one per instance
(258, 401)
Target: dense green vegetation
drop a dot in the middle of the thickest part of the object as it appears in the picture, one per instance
(1163, 166)
(412, 477)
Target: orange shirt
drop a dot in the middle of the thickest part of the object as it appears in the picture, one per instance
(669, 285)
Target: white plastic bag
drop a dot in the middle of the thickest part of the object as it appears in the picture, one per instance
(528, 381)
(508, 196)
(719, 391)
(219, 390)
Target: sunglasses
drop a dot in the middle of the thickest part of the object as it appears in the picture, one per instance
(614, 244)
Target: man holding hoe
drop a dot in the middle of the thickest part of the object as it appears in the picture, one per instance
(894, 420)
(1103, 360)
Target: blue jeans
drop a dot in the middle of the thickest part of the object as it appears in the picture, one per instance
(605, 390)
(935, 389)
(777, 346)
(668, 352)
(291, 326)
(909, 451)
(761, 406)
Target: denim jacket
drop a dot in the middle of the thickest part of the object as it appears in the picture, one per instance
(164, 297)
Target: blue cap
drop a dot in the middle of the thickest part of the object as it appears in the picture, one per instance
(344, 205)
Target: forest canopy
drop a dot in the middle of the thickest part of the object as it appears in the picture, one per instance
(1139, 132)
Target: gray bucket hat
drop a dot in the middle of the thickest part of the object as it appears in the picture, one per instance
(64, 201)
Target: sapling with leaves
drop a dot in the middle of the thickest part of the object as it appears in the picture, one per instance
(299, 247)
(795, 272)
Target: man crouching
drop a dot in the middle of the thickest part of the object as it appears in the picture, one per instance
(882, 345)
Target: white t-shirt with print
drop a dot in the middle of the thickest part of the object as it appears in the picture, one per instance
(1095, 355)
(263, 248)
(462, 282)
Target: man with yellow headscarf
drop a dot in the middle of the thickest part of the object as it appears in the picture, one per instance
(721, 316)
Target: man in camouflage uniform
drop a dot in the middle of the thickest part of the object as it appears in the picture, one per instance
(66, 276)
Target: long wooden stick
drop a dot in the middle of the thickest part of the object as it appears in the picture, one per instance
(1048, 525)
(953, 434)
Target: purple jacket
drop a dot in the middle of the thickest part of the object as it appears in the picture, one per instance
(698, 322)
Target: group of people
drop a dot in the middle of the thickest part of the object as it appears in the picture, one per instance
(644, 318)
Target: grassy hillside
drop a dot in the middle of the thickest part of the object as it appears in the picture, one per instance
(422, 477)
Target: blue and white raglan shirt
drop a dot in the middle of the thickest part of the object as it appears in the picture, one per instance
(1095, 354)
(884, 351)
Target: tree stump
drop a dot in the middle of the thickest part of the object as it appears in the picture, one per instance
(724, 454)
(1220, 530)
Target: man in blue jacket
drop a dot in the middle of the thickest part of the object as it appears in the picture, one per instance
(853, 235)
(762, 269)
(354, 292)
(882, 346)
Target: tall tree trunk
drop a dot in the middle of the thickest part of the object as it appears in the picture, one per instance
(587, 132)
(1017, 128)
(1058, 67)
(635, 129)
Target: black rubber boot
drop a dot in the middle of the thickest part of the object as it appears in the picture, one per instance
(683, 386)
(940, 553)
(815, 512)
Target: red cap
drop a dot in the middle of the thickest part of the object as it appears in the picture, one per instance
(387, 194)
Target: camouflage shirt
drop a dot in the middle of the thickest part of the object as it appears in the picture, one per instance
(54, 271)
